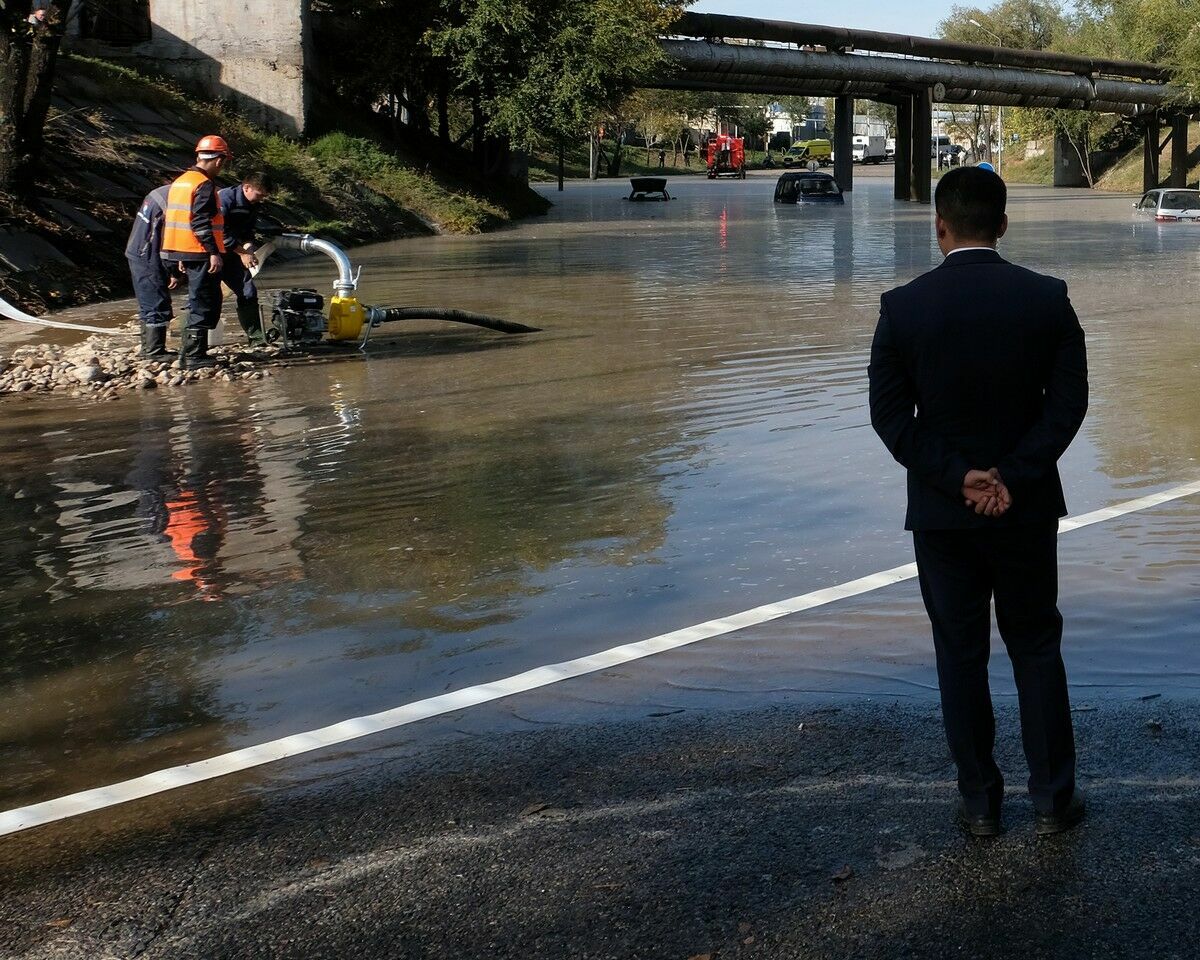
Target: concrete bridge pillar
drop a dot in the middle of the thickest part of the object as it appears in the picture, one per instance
(843, 142)
(920, 163)
(903, 158)
(1068, 170)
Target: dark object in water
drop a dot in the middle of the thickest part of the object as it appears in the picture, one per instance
(456, 316)
(649, 188)
(808, 187)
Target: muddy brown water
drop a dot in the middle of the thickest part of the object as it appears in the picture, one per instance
(186, 572)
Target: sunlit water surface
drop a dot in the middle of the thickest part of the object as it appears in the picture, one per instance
(186, 572)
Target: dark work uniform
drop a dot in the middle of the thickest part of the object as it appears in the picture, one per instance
(146, 267)
(241, 219)
(204, 288)
(982, 364)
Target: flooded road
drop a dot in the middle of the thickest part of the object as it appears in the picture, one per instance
(190, 572)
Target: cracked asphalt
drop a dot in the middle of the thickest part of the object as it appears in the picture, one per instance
(800, 831)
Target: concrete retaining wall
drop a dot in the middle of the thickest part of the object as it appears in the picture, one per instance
(250, 52)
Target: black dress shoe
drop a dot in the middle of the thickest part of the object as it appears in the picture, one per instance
(979, 824)
(1048, 824)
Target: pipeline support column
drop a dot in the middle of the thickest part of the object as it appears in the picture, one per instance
(1150, 150)
(843, 142)
(902, 175)
(920, 143)
(1179, 150)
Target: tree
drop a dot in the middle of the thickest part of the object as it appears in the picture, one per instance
(1080, 128)
(967, 121)
(28, 53)
(1028, 24)
(542, 70)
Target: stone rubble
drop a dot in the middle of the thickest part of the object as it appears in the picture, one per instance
(105, 368)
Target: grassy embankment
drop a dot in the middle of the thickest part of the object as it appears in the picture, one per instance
(114, 134)
(543, 166)
(1124, 176)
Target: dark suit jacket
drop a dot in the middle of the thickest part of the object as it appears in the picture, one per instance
(978, 364)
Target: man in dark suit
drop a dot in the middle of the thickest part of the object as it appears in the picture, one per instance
(978, 384)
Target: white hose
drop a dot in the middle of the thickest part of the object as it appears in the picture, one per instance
(9, 312)
(262, 253)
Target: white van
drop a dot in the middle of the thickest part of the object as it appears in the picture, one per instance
(866, 149)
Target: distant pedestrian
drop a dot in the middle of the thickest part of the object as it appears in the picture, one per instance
(662, 159)
(687, 155)
(194, 241)
(153, 279)
(978, 384)
(240, 205)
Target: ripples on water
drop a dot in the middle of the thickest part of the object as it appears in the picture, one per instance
(185, 572)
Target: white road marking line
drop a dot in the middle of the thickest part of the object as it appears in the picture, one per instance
(88, 801)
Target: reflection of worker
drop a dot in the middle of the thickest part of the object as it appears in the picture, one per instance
(194, 532)
(240, 204)
(152, 279)
(194, 238)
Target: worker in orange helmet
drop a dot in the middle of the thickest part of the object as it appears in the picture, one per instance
(194, 240)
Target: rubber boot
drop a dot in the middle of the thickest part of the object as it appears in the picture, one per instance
(248, 317)
(154, 343)
(195, 350)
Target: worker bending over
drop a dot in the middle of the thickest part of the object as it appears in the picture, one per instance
(194, 239)
(240, 204)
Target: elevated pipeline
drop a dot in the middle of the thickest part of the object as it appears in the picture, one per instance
(713, 25)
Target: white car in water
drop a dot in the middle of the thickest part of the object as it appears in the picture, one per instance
(1168, 204)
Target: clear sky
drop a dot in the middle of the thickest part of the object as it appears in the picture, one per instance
(918, 17)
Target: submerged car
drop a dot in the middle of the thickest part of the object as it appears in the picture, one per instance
(1167, 205)
(808, 187)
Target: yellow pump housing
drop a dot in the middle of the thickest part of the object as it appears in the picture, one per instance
(346, 318)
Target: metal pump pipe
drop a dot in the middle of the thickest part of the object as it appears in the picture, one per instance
(346, 283)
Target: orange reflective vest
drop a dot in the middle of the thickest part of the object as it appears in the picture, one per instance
(178, 236)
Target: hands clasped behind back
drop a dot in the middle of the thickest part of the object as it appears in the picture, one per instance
(985, 492)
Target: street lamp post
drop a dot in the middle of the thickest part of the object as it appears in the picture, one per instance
(1000, 109)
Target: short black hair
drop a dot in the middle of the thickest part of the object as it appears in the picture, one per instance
(260, 181)
(971, 200)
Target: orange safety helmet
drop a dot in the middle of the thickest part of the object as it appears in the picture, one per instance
(215, 145)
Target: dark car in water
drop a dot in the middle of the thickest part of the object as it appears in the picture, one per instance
(808, 187)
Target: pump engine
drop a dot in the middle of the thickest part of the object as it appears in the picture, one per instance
(297, 318)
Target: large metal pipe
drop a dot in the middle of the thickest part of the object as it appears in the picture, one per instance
(749, 83)
(712, 25)
(701, 61)
(345, 284)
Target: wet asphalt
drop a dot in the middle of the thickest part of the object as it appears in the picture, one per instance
(798, 831)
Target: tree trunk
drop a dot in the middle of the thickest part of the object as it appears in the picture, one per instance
(13, 59)
(443, 109)
(38, 88)
(614, 165)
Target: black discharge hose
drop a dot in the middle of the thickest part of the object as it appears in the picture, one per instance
(457, 316)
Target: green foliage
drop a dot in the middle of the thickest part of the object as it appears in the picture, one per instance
(545, 69)
(1029, 24)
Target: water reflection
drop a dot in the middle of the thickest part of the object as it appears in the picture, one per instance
(188, 572)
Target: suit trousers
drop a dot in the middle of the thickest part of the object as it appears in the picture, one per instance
(960, 572)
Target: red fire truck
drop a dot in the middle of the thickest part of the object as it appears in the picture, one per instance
(726, 157)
